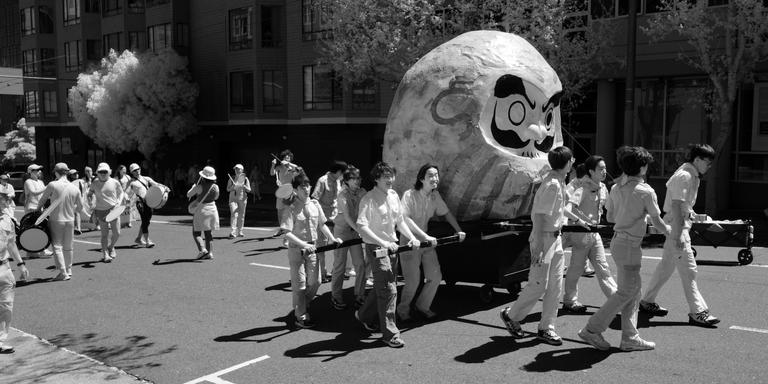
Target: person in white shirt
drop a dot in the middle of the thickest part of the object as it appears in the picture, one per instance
(238, 188)
(8, 249)
(6, 204)
(109, 194)
(33, 189)
(66, 200)
(140, 185)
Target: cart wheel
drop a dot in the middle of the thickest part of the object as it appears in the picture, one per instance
(514, 288)
(486, 293)
(745, 257)
(694, 252)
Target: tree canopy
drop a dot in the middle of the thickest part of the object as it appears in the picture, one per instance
(135, 101)
(20, 143)
(374, 39)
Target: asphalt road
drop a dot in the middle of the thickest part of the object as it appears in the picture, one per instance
(188, 321)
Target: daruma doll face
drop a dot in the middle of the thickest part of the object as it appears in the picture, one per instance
(485, 108)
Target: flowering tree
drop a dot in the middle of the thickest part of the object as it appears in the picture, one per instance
(135, 101)
(725, 43)
(20, 143)
(373, 39)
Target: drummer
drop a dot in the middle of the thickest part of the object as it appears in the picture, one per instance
(238, 188)
(140, 185)
(61, 219)
(6, 203)
(109, 194)
(33, 189)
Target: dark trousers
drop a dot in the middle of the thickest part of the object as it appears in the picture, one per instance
(145, 213)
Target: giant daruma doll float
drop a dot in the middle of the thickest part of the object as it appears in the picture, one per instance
(485, 108)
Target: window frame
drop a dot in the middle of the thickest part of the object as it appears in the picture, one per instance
(111, 8)
(242, 39)
(310, 102)
(28, 103)
(50, 99)
(244, 106)
(277, 80)
(67, 17)
(28, 14)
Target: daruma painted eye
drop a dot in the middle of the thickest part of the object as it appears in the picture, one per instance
(517, 113)
(443, 112)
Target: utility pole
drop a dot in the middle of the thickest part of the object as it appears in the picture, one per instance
(629, 87)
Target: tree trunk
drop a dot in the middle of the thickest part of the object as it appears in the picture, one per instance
(719, 175)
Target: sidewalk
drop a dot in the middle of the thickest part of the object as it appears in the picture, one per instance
(38, 361)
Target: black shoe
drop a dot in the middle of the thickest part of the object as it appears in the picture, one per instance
(575, 308)
(550, 337)
(512, 326)
(339, 305)
(653, 309)
(305, 324)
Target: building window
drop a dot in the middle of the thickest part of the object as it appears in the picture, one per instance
(653, 6)
(182, 35)
(71, 12)
(93, 50)
(50, 104)
(29, 63)
(91, 6)
(45, 19)
(159, 36)
(111, 41)
(271, 26)
(73, 59)
(241, 91)
(28, 21)
(32, 108)
(364, 95)
(110, 7)
(314, 24)
(154, 3)
(135, 6)
(240, 32)
(272, 87)
(322, 89)
(48, 62)
(136, 41)
(670, 113)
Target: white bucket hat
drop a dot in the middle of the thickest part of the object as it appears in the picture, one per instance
(208, 173)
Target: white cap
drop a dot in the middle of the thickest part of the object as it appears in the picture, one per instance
(103, 167)
(238, 166)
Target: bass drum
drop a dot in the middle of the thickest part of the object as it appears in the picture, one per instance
(31, 237)
(156, 197)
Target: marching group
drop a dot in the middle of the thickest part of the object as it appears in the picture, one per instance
(339, 210)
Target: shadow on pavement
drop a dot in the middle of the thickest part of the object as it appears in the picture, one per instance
(46, 364)
(245, 336)
(644, 321)
(175, 261)
(263, 251)
(285, 287)
(567, 360)
(499, 345)
(718, 263)
(341, 345)
(257, 239)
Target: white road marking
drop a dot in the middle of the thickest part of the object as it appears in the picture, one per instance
(86, 242)
(271, 266)
(214, 377)
(264, 229)
(738, 328)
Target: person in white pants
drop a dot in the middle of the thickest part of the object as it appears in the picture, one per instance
(61, 221)
(420, 204)
(545, 277)
(33, 189)
(682, 189)
(587, 202)
(8, 250)
(238, 188)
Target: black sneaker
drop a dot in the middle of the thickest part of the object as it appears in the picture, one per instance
(652, 309)
(305, 323)
(575, 308)
(550, 337)
(702, 319)
(339, 305)
(513, 327)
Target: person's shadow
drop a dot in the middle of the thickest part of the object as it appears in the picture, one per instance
(567, 360)
(340, 346)
(499, 345)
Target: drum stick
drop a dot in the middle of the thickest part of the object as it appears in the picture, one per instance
(424, 244)
(283, 161)
(48, 210)
(334, 245)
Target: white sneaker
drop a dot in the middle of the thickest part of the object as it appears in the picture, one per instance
(594, 339)
(636, 344)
